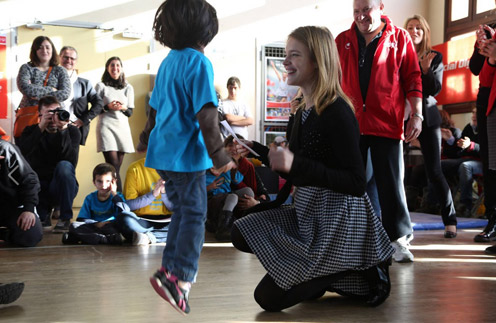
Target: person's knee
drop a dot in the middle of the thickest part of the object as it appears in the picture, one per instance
(28, 238)
(65, 170)
(266, 301)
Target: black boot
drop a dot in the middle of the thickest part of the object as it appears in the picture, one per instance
(489, 233)
(379, 283)
(223, 232)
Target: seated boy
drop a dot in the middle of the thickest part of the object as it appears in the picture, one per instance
(96, 220)
(145, 195)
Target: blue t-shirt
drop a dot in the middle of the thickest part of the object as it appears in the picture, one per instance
(184, 84)
(97, 210)
(226, 184)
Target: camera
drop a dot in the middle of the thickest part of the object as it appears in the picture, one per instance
(62, 114)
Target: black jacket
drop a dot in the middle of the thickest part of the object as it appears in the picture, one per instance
(19, 184)
(44, 150)
(84, 93)
(431, 86)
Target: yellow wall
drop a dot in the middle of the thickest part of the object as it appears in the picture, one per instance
(94, 48)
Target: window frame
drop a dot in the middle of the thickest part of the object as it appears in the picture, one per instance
(460, 27)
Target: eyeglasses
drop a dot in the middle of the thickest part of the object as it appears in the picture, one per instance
(69, 58)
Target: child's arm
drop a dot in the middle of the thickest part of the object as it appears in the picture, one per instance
(209, 125)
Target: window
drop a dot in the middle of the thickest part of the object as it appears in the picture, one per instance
(464, 16)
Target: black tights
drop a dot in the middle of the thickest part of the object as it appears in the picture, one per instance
(115, 158)
(273, 298)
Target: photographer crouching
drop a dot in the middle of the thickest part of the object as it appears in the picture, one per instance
(52, 148)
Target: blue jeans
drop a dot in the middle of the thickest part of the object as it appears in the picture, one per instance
(188, 194)
(128, 222)
(372, 187)
(466, 171)
(60, 190)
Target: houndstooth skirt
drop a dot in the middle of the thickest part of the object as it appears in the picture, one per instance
(322, 234)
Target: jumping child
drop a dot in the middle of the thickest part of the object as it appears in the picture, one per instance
(185, 127)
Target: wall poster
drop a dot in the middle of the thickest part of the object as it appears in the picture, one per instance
(278, 94)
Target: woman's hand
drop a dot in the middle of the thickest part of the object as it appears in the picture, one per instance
(247, 202)
(446, 134)
(463, 143)
(241, 150)
(281, 159)
(426, 61)
(115, 105)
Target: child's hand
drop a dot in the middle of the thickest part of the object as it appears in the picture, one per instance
(159, 188)
(215, 184)
(100, 225)
(113, 187)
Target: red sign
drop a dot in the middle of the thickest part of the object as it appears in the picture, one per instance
(459, 84)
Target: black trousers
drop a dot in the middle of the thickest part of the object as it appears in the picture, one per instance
(387, 162)
(430, 141)
(17, 236)
(273, 298)
(489, 176)
(89, 233)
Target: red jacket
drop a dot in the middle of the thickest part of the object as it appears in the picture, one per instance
(395, 75)
(487, 78)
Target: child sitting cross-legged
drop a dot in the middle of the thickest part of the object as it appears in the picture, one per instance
(95, 223)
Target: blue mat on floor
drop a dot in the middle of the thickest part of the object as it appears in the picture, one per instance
(424, 221)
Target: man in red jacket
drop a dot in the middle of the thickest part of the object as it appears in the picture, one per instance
(380, 71)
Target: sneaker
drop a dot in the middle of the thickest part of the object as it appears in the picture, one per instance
(401, 252)
(61, 226)
(140, 239)
(165, 284)
(10, 292)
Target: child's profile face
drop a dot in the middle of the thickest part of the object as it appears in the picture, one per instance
(103, 182)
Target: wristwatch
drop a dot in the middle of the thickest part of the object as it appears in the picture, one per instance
(418, 115)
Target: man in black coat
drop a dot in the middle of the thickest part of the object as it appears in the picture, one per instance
(19, 187)
(52, 149)
(82, 94)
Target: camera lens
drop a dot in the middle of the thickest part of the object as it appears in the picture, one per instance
(63, 115)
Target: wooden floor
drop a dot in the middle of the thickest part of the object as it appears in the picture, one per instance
(450, 281)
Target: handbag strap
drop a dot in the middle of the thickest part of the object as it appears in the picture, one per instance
(48, 75)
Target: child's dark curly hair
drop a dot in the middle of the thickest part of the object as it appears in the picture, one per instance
(185, 23)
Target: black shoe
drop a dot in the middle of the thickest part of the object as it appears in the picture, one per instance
(69, 238)
(226, 221)
(4, 234)
(114, 238)
(489, 232)
(10, 292)
(379, 282)
(491, 250)
(450, 234)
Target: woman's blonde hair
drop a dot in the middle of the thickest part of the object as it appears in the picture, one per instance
(425, 45)
(323, 50)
